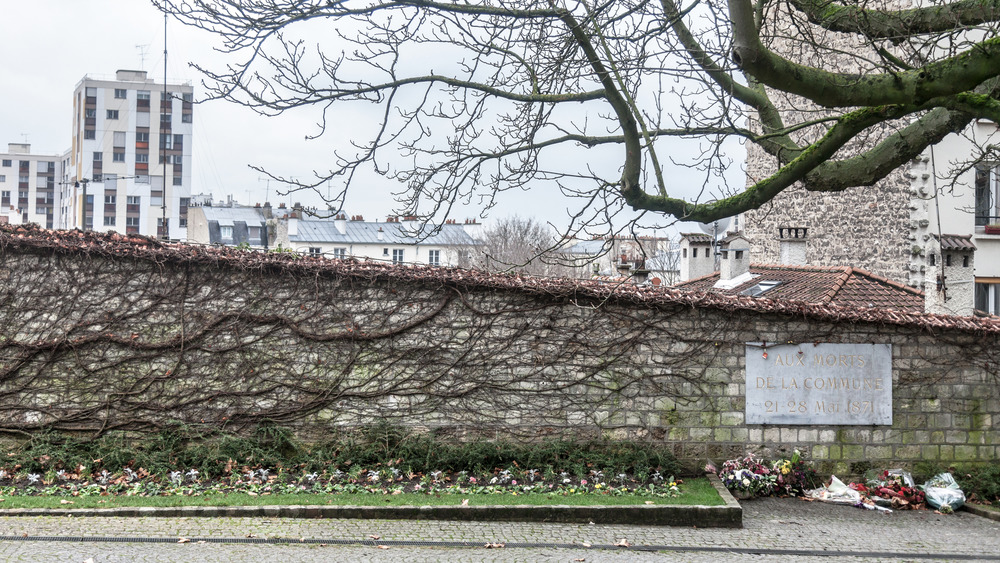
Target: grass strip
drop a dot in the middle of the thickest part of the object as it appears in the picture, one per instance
(695, 492)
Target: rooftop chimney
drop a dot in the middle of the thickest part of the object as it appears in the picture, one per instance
(950, 286)
(792, 243)
(735, 259)
(697, 259)
(340, 222)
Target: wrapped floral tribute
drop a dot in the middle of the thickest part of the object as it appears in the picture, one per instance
(754, 477)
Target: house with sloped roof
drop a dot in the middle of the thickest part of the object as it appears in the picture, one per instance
(397, 240)
(841, 286)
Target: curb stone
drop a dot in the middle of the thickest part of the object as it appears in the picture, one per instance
(991, 514)
(728, 515)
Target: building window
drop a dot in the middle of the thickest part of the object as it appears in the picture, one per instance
(397, 255)
(178, 181)
(118, 139)
(188, 97)
(89, 134)
(166, 141)
(98, 156)
(164, 118)
(90, 113)
(932, 260)
(131, 221)
(110, 200)
(3, 177)
(987, 192)
(988, 298)
(947, 259)
(434, 257)
(112, 114)
(185, 118)
(141, 137)
(7, 163)
(178, 141)
(109, 220)
(315, 251)
(132, 199)
(142, 179)
(965, 261)
(90, 91)
(142, 95)
(182, 222)
(118, 156)
(142, 158)
(694, 253)
(121, 93)
(226, 232)
(340, 253)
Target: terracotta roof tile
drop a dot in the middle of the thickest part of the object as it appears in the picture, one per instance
(114, 246)
(841, 286)
(697, 237)
(956, 242)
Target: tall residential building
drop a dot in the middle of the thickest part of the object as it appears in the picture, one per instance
(28, 186)
(130, 159)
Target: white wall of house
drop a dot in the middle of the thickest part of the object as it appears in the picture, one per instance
(943, 188)
(405, 253)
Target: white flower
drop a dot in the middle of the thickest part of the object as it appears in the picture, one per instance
(746, 482)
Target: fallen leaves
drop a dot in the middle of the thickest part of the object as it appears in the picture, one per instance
(465, 502)
(622, 543)
(183, 540)
(495, 545)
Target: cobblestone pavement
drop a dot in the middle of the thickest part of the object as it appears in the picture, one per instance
(774, 530)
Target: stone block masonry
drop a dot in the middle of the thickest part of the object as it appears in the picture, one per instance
(103, 333)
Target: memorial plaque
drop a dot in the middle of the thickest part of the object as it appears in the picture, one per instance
(819, 384)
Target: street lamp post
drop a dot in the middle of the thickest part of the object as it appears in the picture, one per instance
(84, 182)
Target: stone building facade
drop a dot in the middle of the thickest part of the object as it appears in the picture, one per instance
(889, 228)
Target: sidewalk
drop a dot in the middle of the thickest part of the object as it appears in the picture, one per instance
(774, 530)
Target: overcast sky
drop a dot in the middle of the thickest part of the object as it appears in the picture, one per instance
(50, 45)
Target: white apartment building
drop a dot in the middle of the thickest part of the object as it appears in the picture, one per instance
(29, 186)
(129, 167)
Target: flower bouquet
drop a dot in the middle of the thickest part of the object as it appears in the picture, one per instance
(747, 477)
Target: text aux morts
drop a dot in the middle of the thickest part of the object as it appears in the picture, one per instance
(832, 383)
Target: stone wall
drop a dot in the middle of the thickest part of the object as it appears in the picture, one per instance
(102, 334)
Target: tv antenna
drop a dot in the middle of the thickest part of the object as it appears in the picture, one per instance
(143, 49)
(716, 229)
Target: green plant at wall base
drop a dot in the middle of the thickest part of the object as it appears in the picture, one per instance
(981, 484)
(214, 454)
